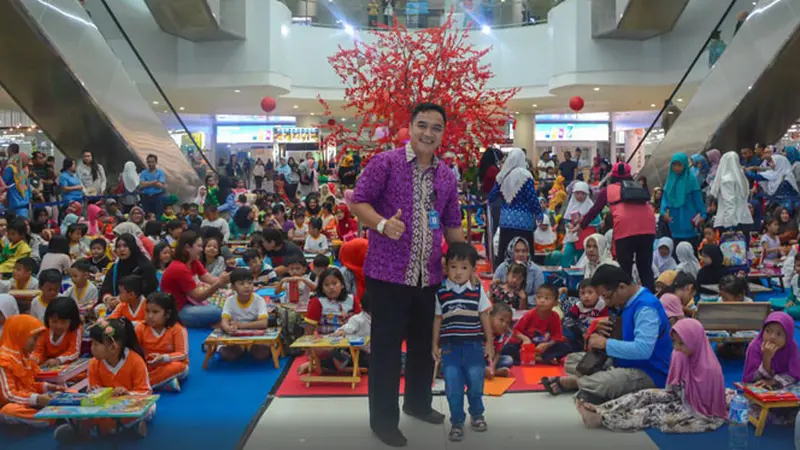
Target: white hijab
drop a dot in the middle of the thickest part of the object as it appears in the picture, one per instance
(576, 207)
(8, 307)
(687, 261)
(782, 172)
(604, 251)
(202, 192)
(130, 178)
(663, 263)
(513, 175)
(545, 237)
(731, 190)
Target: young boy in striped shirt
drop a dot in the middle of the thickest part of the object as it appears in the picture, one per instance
(463, 338)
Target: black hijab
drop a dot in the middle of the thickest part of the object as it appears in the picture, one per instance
(712, 273)
(241, 220)
(491, 157)
(136, 264)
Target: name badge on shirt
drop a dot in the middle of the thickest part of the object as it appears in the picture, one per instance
(433, 220)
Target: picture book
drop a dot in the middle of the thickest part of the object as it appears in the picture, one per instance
(63, 370)
(125, 407)
(97, 397)
(316, 341)
(245, 335)
(788, 394)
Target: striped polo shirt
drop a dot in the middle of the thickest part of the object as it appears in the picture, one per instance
(460, 308)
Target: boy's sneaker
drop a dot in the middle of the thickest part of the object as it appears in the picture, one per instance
(478, 424)
(174, 385)
(456, 433)
(64, 433)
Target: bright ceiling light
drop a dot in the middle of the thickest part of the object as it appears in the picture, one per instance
(284, 30)
(155, 102)
(313, 114)
(349, 29)
(535, 105)
(295, 106)
(344, 119)
(237, 90)
(486, 29)
(516, 112)
(181, 108)
(680, 100)
(652, 105)
(596, 89)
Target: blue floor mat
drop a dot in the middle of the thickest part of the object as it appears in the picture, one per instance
(213, 410)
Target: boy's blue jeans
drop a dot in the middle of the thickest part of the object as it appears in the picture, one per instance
(463, 364)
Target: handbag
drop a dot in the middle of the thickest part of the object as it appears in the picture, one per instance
(594, 360)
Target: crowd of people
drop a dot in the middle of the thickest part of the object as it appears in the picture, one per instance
(389, 260)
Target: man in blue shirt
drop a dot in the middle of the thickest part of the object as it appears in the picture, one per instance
(751, 162)
(639, 360)
(152, 184)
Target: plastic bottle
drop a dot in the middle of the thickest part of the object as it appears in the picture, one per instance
(738, 431)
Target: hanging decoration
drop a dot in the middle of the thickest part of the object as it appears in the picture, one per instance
(385, 77)
(576, 103)
(268, 104)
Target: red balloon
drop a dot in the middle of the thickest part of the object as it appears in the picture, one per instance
(403, 136)
(576, 103)
(331, 122)
(268, 104)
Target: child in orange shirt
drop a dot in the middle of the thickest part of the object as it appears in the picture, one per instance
(62, 344)
(20, 394)
(118, 363)
(132, 304)
(165, 343)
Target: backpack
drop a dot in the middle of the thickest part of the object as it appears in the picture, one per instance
(633, 192)
(733, 246)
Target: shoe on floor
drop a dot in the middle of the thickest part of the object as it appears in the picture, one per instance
(391, 437)
(478, 424)
(430, 416)
(64, 433)
(456, 433)
(174, 385)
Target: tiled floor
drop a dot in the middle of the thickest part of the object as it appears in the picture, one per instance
(516, 421)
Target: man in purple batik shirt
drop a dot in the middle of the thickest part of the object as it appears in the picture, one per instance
(408, 198)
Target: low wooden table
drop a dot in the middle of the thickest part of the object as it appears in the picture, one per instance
(760, 421)
(753, 287)
(64, 373)
(270, 338)
(24, 297)
(313, 343)
(769, 276)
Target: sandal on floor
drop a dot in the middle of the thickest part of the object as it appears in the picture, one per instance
(456, 433)
(478, 424)
(550, 385)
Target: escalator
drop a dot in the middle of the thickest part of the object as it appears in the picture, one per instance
(748, 97)
(62, 73)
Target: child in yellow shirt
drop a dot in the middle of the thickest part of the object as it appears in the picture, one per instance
(16, 248)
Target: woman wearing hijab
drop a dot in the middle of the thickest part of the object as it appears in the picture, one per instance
(579, 204)
(520, 208)
(687, 261)
(243, 223)
(778, 183)
(794, 159)
(731, 190)
(682, 206)
(713, 157)
(713, 268)
(700, 168)
(200, 198)
(94, 214)
(596, 253)
(662, 256)
(692, 402)
(136, 216)
(131, 261)
(8, 308)
(787, 226)
(519, 251)
(15, 176)
(347, 172)
(128, 186)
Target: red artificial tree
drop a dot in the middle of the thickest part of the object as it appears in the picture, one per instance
(385, 78)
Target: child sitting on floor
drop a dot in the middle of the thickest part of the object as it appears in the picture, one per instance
(512, 292)
(49, 285)
(298, 288)
(245, 310)
(320, 263)
(501, 317)
(262, 273)
(174, 230)
(22, 278)
(77, 246)
(299, 228)
(21, 395)
(685, 287)
(99, 260)
(581, 314)
(16, 248)
(165, 343)
(62, 343)
(162, 256)
(118, 363)
(462, 335)
(82, 291)
(132, 304)
(733, 289)
(540, 326)
(316, 242)
(693, 401)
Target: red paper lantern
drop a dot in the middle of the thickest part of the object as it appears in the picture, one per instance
(331, 122)
(576, 103)
(403, 136)
(268, 104)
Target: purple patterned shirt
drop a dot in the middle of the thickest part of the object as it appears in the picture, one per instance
(387, 183)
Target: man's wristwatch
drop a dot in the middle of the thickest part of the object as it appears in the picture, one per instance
(381, 225)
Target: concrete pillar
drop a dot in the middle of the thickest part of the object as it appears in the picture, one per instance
(524, 135)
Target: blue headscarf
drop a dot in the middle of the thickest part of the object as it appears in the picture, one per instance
(701, 172)
(792, 154)
(679, 187)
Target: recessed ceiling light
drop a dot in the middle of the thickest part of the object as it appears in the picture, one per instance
(652, 105)
(295, 106)
(155, 102)
(670, 112)
(535, 105)
(181, 108)
(344, 119)
(516, 112)
(312, 114)
(237, 90)
(680, 99)
(596, 89)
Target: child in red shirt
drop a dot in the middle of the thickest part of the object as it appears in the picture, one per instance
(540, 326)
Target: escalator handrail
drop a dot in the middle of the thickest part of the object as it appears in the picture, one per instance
(157, 85)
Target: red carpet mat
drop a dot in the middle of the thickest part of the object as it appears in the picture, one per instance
(527, 380)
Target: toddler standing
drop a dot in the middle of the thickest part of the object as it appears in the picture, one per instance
(462, 335)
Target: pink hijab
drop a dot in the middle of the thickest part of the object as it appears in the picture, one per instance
(672, 305)
(699, 373)
(713, 156)
(786, 360)
(93, 214)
